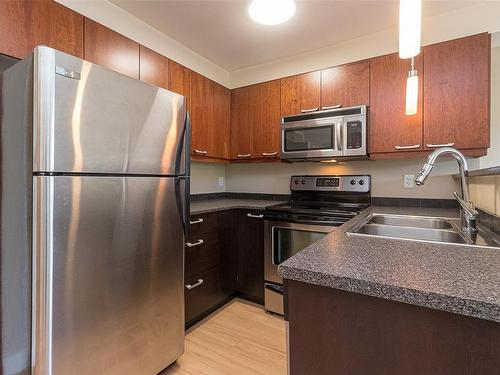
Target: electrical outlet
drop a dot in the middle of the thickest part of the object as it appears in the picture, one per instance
(409, 181)
(221, 181)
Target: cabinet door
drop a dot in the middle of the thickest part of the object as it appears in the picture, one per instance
(179, 80)
(300, 93)
(457, 89)
(266, 127)
(202, 103)
(241, 130)
(222, 122)
(106, 47)
(251, 256)
(345, 85)
(27, 24)
(153, 68)
(227, 225)
(391, 130)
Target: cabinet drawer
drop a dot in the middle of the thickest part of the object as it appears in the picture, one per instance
(200, 224)
(200, 295)
(201, 256)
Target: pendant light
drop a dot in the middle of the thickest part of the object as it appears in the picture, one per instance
(412, 90)
(410, 29)
(271, 12)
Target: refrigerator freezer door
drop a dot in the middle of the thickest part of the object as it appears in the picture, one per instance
(108, 275)
(90, 119)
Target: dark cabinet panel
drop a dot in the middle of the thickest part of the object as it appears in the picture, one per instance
(300, 93)
(345, 85)
(153, 68)
(391, 130)
(456, 93)
(201, 256)
(202, 297)
(251, 256)
(26, 24)
(228, 247)
(106, 47)
(202, 224)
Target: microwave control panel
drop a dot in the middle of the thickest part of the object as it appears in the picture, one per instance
(354, 135)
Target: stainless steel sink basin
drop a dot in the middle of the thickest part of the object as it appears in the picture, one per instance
(422, 228)
(411, 221)
(422, 234)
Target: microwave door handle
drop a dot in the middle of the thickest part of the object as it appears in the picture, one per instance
(340, 141)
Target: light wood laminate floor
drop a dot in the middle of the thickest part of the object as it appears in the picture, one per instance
(238, 339)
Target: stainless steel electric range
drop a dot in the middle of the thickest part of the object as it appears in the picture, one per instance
(317, 205)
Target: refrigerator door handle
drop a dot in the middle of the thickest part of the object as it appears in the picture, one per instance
(182, 199)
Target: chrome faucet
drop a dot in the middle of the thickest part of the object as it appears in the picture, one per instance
(468, 214)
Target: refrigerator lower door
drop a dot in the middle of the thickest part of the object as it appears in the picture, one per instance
(108, 270)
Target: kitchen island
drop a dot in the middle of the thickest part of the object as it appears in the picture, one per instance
(358, 304)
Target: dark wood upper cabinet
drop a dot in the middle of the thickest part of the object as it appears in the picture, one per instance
(391, 130)
(27, 24)
(300, 93)
(266, 127)
(241, 131)
(106, 47)
(457, 92)
(222, 122)
(202, 117)
(179, 80)
(153, 67)
(345, 85)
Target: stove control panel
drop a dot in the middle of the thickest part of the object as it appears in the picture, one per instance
(360, 184)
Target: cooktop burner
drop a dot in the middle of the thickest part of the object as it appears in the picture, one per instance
(323, 199)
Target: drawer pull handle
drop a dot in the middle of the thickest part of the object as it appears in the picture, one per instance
(406, 147)
(203, 152)
(309, 110)
(196, 221)
(270, 153)
(198, 283)
(255, 216)
(332, 106)
(442, 145)
(193, 244)
(244, 155)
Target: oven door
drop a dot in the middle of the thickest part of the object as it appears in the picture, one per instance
(283, 240)
(317, 138)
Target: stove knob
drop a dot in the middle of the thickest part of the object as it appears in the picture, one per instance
(303, 182)
(361, 182)
(353, 182)
(296, 182)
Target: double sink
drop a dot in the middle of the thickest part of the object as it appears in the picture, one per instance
(422, 228)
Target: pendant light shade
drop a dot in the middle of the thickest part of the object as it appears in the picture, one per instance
(410, 20)
(271, 12)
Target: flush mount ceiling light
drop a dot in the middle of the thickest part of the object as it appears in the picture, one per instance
(271, 12)
(410, 20)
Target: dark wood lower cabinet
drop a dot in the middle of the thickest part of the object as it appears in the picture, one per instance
(202, 299)
(251, 256)
(337, 332)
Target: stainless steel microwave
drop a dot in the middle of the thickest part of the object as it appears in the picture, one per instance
(333, 134)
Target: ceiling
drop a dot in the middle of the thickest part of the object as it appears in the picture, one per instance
(222, 32)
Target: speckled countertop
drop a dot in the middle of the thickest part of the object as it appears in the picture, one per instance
(454, 278)
(212, 205)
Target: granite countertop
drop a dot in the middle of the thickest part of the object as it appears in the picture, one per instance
(455, 278)
(212, 205)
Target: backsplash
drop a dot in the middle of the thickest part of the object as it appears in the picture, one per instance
(485, 193)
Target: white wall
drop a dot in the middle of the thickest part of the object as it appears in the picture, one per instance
(205, 177)
(387, 176)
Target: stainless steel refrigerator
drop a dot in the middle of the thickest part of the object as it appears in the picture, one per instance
(94, 200)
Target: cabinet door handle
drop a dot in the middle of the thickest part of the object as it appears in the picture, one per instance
(193, 244)
(270, 153)
(309, 110)
(406, 147)
(203, 152)
(255, 216)
(442, 145)
(332, 106)
(196, 221)
(198, 283)
(244, 155)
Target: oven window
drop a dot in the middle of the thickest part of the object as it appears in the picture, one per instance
(288, 242)
(314, 138)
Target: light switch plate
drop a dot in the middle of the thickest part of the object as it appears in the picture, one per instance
(409, 181)
(221, 181)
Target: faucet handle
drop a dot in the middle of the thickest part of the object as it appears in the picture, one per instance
(466, 206)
